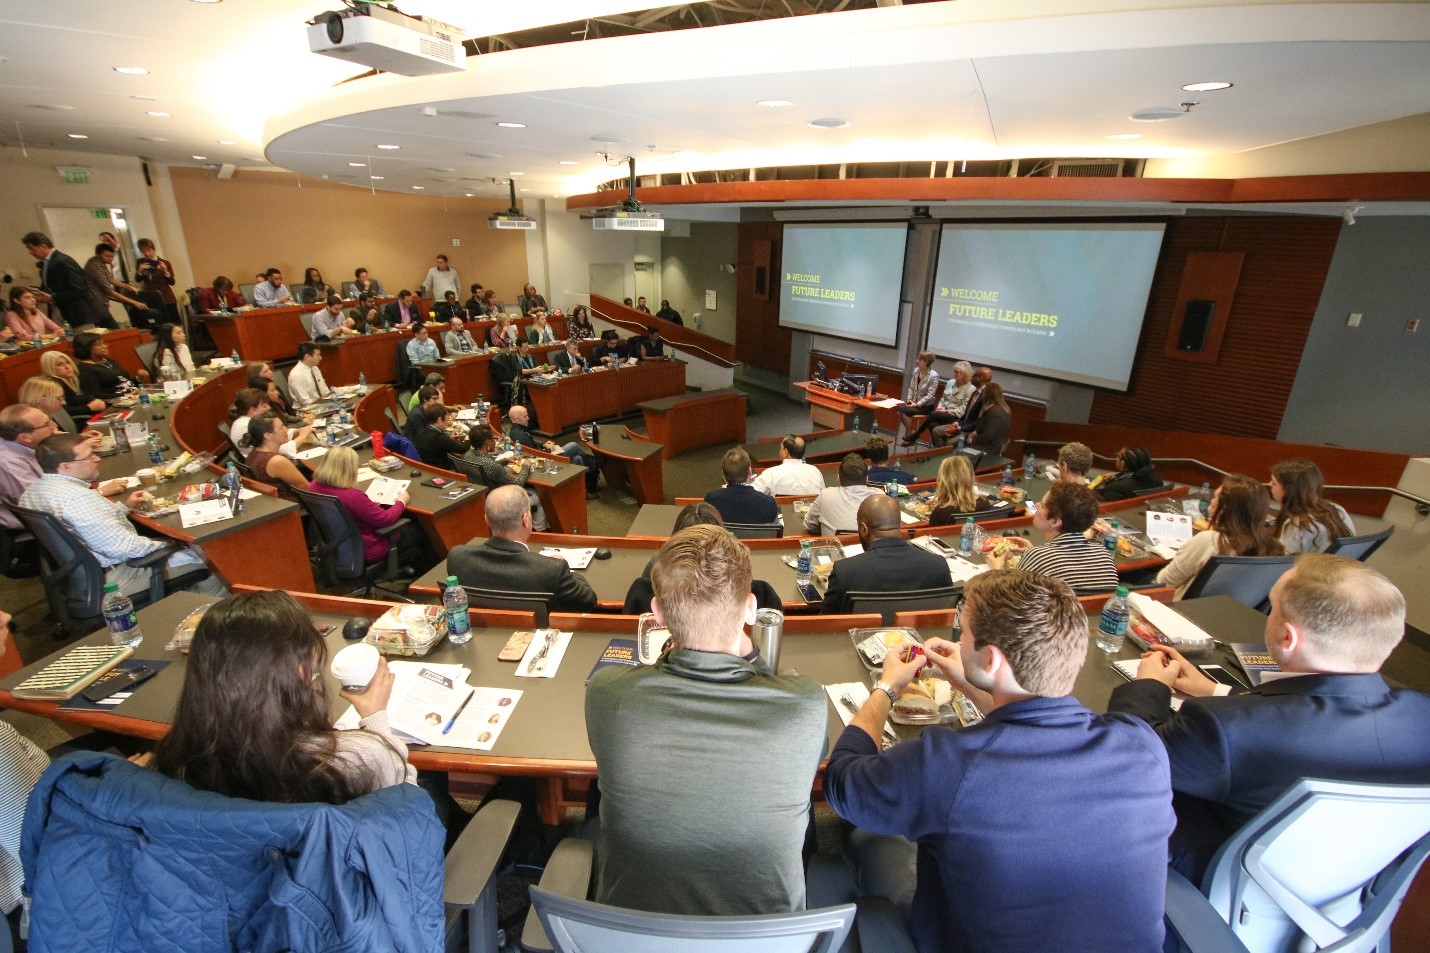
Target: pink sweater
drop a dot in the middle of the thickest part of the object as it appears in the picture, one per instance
(368, 515)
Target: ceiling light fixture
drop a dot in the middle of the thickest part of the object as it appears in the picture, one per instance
(77, 135)
(1127, 135)
(512, 125)
(227, 142)
(358, 165)
(1209, 87)
(516, 173)
(1157, 114)
(829, 123)
(419, 187)
(608, 139)
(153, 139)
(202, 158)
(525, 190)
(132, 70)
(383, 145)
(54, 108)
(157, 114)
(567, 162)
(774, 103)
(469, 194)
(145, 99)
(483, 155)
(377, 178)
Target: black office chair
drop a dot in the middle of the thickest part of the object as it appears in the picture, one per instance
(1359, 547)
(756, 530)
(408, 376)
(227, 438)
(340, 556)
(888, 603)
(1247, 579)
(537, 603)
(506, 375)
(306, 319)
(74, 579)
(145, 353)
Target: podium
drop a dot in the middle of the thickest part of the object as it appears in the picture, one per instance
(831, 410)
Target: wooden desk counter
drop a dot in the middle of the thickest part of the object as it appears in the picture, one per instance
(687, 421)
(468, 376)
(262, 334)
(823, 449)
(19, 367)
(579, 398)
(626, 459)
(374, 355)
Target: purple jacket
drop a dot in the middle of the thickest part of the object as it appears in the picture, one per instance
(368, 515)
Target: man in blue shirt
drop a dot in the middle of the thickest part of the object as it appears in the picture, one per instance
(271, 292)
(422, 349)
(1042, 827)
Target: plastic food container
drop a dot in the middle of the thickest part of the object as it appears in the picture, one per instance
(873, 644)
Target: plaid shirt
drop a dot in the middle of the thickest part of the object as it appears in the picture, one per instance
(103, 526)
(493, 473)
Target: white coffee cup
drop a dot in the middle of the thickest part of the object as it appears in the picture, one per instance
(355, 665)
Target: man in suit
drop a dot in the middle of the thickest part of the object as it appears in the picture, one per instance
(504, 563)
(1333, 623)
(571, 360)
(406, 309)
(737, 501)
(888, 562)
(63, 282)
(1042, 827)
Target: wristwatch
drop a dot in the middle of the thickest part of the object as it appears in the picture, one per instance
(887, 690)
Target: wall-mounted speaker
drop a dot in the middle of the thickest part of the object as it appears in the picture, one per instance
(1196, 322)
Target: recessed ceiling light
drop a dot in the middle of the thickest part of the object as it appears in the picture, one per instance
(153, 139)
(829, 123)
(145, 99)
(774, 103)
(202, 158)
(419, 187)
(512, 125)
(483, 155)
(610, 139)
(76, 135)
(470, 194)
(227, 142)
(132, 70)
(157, 114)
(358, 165)
(567, 162)
(54, 108)
(376, 178)
(1127, 135)
(382, 145)
(1207, 87)
(208, 1)
(1156, 114)
(516, 173)
(524, 190)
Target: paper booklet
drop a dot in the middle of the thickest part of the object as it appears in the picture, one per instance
(384, 490)
(427, 697)
(576, 557)
(1168, 530)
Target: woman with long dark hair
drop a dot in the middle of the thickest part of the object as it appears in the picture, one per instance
(1238, 514)
(1307, 522)
(990, 431)
(314, 289)
(1135, 475)
(253, 719)
(579, 325)
(172, 360)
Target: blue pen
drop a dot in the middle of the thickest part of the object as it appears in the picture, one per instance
(458, 712)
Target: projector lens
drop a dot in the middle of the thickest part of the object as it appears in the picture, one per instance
(335, 27)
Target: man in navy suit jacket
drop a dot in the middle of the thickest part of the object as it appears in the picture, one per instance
(1333, 623)
(887, 564)
(737, 501)
(1042, 827)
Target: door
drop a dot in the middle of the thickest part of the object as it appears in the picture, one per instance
(648, 285)
(75, 231)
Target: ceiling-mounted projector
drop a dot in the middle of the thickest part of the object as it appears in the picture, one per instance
(384, 39)
(512, 217)
(630, 215)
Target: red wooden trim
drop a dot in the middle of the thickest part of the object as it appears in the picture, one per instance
(702, 345)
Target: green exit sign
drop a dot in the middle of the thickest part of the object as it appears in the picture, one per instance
(73, 174)
(99, 213)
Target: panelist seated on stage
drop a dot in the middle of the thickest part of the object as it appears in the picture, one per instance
(836, 509)
(876, 451)
(69, 466)
(791, 476)
(972, 407)
(950, 407)
(570, 360)
(737, 501)
(306, 383)
(505, 564)
(1042, 827)
(449, 307)
(611, 351)
(1333, 624)
(457, 339)
(716, 824)
(520, 431)
(888, 563)
(330, 322)
(922, 394)
(404, 311)
(271, 292)
(988, 434)
(220, 297)
(1064, 514)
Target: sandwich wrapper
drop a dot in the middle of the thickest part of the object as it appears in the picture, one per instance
(1185, 634)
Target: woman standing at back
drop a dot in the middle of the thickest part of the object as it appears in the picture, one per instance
(254, 721)
(1307, 522)
(1238, 514)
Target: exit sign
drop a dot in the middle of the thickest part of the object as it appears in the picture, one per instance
(74, 174)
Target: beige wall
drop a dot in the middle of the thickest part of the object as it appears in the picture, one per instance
(258, 220)
(564, 246)
(691, 266)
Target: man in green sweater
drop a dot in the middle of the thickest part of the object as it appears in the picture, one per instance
(707, 757)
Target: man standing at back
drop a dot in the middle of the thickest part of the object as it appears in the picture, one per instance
(63, 282)
(1042, 827)
(706, 758)
(888, 563)
(1333, 623)
(792, 476)
(441, 278)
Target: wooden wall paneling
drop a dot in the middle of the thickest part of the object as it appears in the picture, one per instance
(1206, 276)
(1244, 392)
(759, 339)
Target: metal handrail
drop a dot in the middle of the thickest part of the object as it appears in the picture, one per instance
(710, 356)
(1392, 490)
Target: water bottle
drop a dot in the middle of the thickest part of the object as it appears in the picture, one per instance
(362, 383)
(332, 437)
(892, 488)
(120, 617)
(234, 357)
(958, 447)
(1008, 475)
(156, 456)
(69, 332)
(856, 423)
(1030, 467)
(1204, 496)
(482, 405)
(144, 398)
(121, 437)
(38, 341)
(965, 538)
(459, 624)
(232, 484)
(805, 564)
(1112, 628)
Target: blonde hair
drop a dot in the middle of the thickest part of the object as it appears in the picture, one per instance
(36, 389)
(50, 363)
(955, 485)
(1075, 457)
(1349, 614)
(338, 468)
(701, 580)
